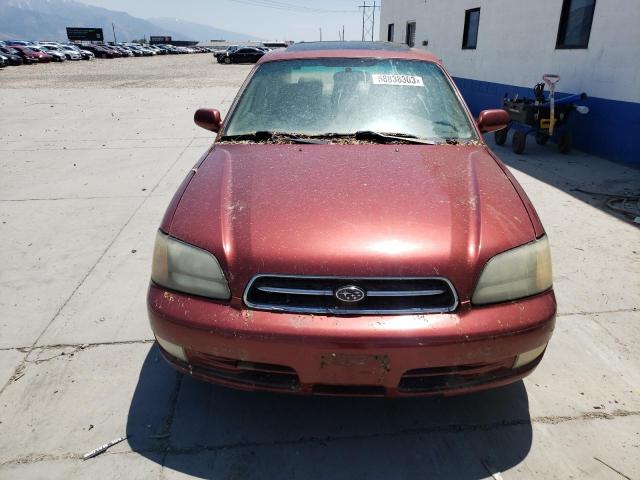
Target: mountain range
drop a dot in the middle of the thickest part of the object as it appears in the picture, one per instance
(48, 19)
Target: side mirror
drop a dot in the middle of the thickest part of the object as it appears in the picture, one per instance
(492, 120)
(208, 118)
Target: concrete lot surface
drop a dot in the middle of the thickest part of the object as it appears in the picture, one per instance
(90, 156)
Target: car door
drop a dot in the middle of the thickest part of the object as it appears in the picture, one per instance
(238, 56)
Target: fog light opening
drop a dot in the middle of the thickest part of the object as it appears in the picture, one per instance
(528, 357)
(172, 349)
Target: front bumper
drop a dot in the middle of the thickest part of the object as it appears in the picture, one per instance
(471, 349)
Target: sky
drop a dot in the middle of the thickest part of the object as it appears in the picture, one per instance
(267, 19)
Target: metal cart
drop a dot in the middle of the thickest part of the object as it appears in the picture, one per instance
(534, 116)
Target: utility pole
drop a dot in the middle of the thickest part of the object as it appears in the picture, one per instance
(320, 34)
(364, 9)
(373, 20)
(368, 20)
(114, 32)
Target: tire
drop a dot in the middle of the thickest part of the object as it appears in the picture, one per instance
(542, 138)
(500, 136)
(518, 142)
(565, 141)
(227, 61)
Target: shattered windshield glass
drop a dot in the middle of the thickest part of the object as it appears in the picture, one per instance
(343, 96)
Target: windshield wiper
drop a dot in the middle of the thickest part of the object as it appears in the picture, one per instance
(268, 136)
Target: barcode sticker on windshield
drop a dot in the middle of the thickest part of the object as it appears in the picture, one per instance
(406, 80)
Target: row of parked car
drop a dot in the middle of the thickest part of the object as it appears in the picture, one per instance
(23, 52)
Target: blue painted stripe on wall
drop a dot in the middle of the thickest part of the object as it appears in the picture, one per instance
(611, 129)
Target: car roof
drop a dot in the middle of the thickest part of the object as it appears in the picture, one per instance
(349, 50)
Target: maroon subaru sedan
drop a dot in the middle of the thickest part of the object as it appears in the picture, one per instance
(350, 233)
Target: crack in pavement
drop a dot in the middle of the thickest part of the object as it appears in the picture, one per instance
(169, 420)
(98, 197)
(91, 149)
(574, 314)
(26, 349)
(323, 441)
(103, 140)
(19, 370)
(612, 468)
(55, 199)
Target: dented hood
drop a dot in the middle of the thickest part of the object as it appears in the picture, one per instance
(352, 210)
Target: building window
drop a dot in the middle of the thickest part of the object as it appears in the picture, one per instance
(471, 23)
(391, 32)
(575, 23)
(411, 34)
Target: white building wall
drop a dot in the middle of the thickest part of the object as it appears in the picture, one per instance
(517, 39)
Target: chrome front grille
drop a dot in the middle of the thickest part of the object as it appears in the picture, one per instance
(382, 296)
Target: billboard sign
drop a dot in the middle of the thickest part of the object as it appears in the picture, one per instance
(78, 34)
(156, 39)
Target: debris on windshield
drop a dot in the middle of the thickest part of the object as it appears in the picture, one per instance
(271, 139)
(360, 137)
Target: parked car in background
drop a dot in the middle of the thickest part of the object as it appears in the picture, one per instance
(243, 55)
(99, 51)
(390, 253)
(167, 49)
(13, 57)
(219, 54)
(145, 48)
(141, 50)
(112, 49)
(71, 53)
(124, 51)
(134, 52)
(158, 50)
(4, 61)
(32, 55)
(54, 52)
(21, 43)
(86, 54)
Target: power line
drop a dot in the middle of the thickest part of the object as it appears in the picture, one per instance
(278, 5)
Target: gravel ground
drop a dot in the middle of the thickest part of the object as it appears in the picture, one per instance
(166, 71)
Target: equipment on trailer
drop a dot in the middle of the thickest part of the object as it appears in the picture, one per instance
(544, 117)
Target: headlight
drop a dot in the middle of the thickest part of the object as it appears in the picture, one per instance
(517, 273)
(185, 268)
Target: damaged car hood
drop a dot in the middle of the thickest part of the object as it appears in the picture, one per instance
(374, 210)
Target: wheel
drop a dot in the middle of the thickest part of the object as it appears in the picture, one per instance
(227, 60)
(564, 143)
(500, 136)
(542, 138)
(518, 142)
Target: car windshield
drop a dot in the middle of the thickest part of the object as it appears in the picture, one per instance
(344, 96)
